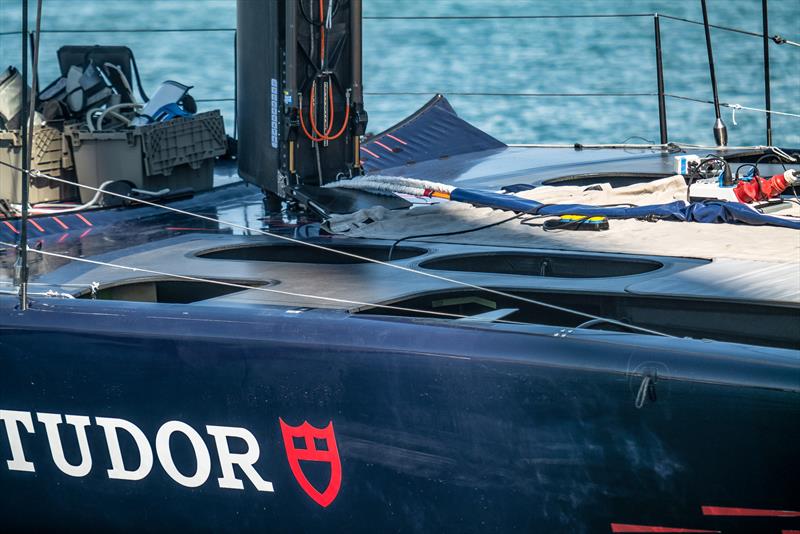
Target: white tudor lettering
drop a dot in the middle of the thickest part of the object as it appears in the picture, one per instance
(128, 470)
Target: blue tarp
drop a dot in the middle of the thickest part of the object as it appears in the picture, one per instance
(703, 212)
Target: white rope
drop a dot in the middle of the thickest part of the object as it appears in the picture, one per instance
(734, 107)
(784, 155)
(388, 185)
(759, 110)
(73, 209)
(351, 255)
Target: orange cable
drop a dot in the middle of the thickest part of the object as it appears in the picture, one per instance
(312, 96)
(303, 123)
(322, 33)
(344, 123)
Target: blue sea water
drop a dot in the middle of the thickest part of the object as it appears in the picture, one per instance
(577, 55)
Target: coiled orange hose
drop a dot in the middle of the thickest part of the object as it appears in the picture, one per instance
(315, 135)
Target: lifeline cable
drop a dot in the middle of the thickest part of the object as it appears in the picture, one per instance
(777, 39)
(351, 255)
(733, 106)
(234, 284)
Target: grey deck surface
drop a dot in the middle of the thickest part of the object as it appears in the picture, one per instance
(151, 238)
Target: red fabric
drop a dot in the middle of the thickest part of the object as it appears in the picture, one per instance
(760, 188)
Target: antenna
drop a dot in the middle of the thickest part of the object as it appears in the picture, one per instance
(767, 97)
(21, 267)
(28, 113)
(720, 130)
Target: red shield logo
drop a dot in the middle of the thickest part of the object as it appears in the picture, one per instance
(309, 435)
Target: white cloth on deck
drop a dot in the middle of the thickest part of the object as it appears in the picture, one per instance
(627, 236)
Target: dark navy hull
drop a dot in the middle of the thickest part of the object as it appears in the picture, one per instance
(439, 426)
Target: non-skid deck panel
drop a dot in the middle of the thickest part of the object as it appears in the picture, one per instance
(743, 280)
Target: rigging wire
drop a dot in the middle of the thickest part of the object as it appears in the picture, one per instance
(777, 39)
(733, 106)
(296, 241)
(508, 17)
(238, 286)
(499, 94)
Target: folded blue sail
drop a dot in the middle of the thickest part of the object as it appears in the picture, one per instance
(703, 212)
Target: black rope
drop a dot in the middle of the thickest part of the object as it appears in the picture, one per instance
(139, 30)
(777, 39)
(699, 100)
(462, 93)
(457, 232)
(508, 17)
(466, 231)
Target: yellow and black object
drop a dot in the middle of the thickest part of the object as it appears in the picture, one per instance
(578, 222)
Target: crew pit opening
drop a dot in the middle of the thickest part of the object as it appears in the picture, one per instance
(765, 325)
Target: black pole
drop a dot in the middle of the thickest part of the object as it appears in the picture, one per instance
(22, 259)
(355, 39)
(34, 75)
(235, 86)
(662, 102)
(767, 96)
(720, 131)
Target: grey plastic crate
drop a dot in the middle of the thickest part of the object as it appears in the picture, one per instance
(48, 151)
(182, 141)
(175, 154)
(105, 156)
(47, 156)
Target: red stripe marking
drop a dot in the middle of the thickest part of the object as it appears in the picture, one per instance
(36, 225)
(62, 238)
(84, 219)
(384, 146)
(621, 527)
(370, 152)
(396, 139)
(13, 228)
(85, 233)
(60, 223)
(747, 512)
